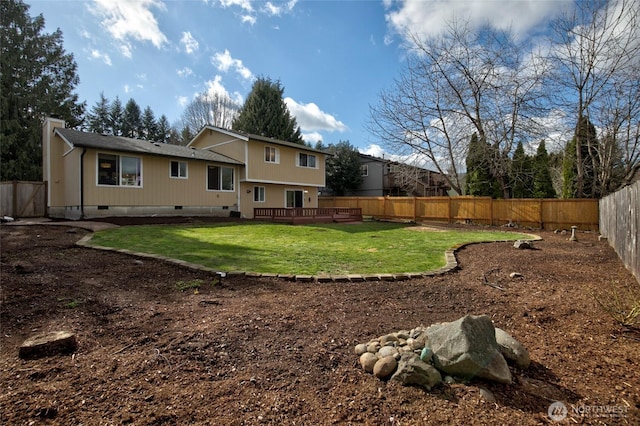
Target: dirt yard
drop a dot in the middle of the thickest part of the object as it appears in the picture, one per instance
(269, 351)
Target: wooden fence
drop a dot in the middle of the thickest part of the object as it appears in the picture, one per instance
(527, 212)
(23, 199)
(620, 223)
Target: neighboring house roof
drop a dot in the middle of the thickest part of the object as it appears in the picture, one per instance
(386, 160)
(138, 146)
(246, 136)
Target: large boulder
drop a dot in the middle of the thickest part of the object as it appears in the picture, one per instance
(467, 348)
(512, 350)
(415, 372)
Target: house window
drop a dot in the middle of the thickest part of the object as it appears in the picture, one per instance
(307, 160)
(219, 178)
(271, 154)
(118, 170)
(258, 194)
(364, 170)
(179, 169)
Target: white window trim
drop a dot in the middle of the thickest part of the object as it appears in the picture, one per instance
(186, 170)
(277, 160)
(206, 179)
(307, 154)
(364, 168)
(256, 190)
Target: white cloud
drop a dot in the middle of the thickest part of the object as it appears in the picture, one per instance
(373, 150)
(183, 101)
(249, 19)
(224, 62)
(430, 18)
(130, 20)
(272, 9)
(244, 4)
(215, 86)
(250, 14)
(96, 54)
(185, 72)
(127, 88)
(125, 49)
(312, 137)
(189, 43)
(310, 117)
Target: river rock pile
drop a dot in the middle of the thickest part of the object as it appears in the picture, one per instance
(468, 347)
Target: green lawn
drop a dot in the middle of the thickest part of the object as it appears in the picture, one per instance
(370, 247)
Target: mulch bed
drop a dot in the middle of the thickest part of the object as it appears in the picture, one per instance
(269, 351)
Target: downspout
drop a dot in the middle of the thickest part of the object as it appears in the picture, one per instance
(84, 150)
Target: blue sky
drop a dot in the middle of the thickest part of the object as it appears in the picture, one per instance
(332, 57)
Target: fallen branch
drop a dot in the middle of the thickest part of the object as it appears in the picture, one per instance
(486, 281)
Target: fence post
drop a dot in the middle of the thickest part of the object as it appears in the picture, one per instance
(415, 208)
(14, 202)
(491, 212)
(540, 218)
(449, 210)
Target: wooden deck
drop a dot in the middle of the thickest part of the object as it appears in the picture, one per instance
(308, 215)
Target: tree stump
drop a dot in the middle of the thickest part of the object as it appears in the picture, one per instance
(48, 344)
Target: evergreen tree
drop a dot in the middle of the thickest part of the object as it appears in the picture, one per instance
(38, 79)
(99, 116)
(265, 113)
(132, 120)
(479, 181)
(521, 174)
(584, 145)
(116, 114)
(344, 175)
(164, 129)
(149, 125)
(542, 182)
(569, 170)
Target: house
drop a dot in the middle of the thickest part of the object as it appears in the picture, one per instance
(382, 177)
(219, 173)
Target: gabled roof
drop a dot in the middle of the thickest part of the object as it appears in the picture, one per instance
(138, 146)
(246, 136)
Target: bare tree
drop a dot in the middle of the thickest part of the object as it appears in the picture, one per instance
(453, 85)
(209, 109)
(596, 47)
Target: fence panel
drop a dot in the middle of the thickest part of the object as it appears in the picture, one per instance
(433, 208)
(520, 211)
(399, 207)
(23, 199)
(475, 209)
(620, 223)
(537, 213)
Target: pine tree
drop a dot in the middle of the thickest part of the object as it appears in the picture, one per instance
(585, 144)
(116, 114)
(265, 113)
(99, 116)
(569, 170)
(149, 125)
(344, 175)
(38, 79)
(479, 181)
(542, 182)
(132, 120)
(164, 129)
(521, 174)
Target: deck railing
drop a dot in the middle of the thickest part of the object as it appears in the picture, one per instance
(308, 214)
